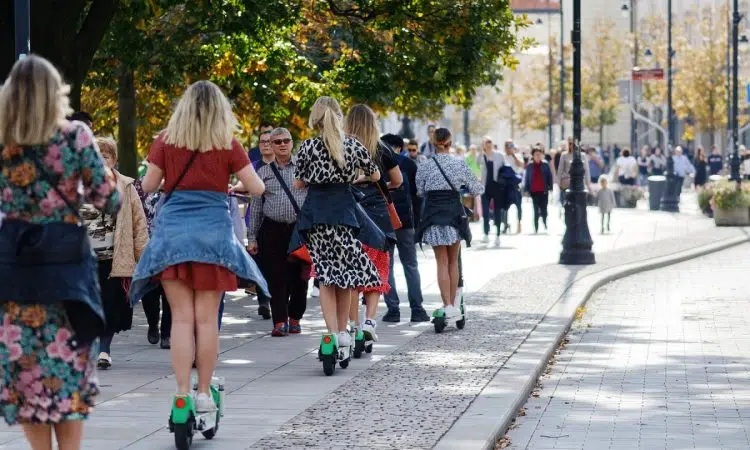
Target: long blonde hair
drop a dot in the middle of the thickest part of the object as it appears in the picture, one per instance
(33, 103)
(362, 123)
(326, 117)
(203, 119)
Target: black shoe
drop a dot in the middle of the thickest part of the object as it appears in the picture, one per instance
(153, 335)
(264, 311)
(420, 315)
(391, 316)
(165, 343)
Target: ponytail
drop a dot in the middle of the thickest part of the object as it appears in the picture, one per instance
(333, 136)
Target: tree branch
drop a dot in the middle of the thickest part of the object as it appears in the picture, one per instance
(91, 34)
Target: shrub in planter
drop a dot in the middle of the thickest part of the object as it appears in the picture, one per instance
(731, 206)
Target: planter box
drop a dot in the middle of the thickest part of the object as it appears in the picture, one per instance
(735, 217)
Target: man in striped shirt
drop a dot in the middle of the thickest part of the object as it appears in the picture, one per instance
(272, 220)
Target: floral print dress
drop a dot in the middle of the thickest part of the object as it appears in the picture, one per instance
(44, 377)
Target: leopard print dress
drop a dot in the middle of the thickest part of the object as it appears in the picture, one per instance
(337, 255)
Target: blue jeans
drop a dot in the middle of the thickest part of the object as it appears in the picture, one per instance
(407, 253)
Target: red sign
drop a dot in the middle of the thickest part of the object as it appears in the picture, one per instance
(648, 74)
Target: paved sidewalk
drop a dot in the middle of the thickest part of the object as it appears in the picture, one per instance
(658, 361)
(410, 390)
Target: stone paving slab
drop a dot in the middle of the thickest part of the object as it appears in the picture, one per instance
(271, 381)
(658, 361)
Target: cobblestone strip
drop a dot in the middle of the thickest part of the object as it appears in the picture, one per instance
(413, 396)
(659, 360)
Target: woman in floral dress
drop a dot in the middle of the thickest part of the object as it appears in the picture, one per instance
(47, 373)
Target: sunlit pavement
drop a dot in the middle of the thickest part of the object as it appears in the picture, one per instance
(277, 384)
(657, 361)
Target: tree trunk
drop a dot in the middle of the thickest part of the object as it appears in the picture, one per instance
(127, 127)
(601, 135)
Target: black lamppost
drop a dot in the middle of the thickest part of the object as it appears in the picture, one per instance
(577, 241)
(670, 201)
(562, 72)
(630, 11)
(406, 132)
(22, 24)
(734, 164)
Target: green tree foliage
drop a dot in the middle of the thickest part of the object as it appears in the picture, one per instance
(274, 57)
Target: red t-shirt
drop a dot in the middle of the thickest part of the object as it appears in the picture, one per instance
(537, 178)
(210, 171)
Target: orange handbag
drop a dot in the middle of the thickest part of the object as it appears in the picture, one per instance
(395, 220)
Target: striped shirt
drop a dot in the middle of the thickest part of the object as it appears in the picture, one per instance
(274, 203)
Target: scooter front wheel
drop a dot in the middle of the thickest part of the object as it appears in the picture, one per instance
(460, 324)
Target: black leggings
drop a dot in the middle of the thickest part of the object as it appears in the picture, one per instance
(540, 201)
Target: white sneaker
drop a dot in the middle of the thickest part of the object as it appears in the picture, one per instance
(451, 312)
(315, 292)
(485, 239)
(204, 403)
(104, 361)
(497, 240)
(344, 339)
(368, 328)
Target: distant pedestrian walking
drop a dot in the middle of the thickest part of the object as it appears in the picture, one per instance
(538, 183)
(606, 202)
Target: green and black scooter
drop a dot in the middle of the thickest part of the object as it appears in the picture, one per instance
(185, 421)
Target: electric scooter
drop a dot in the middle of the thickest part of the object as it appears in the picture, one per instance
(185, 421)
(439, 321)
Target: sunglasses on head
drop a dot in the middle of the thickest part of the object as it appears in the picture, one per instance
(282, 141)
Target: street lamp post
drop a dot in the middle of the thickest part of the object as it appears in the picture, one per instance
(577, 241)
(670, 202)
(22, 24)
(735, 161)
(562, 72)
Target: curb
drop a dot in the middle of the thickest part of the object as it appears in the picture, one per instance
(492, 412)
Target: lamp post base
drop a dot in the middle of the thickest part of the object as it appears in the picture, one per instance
(577, 241)
(670, 202)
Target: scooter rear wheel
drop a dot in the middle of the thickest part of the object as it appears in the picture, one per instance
(344, 363)
(329, 365)
(359, 347)
(368, 348)
(439, 324)
(183, 435)
(460, 324)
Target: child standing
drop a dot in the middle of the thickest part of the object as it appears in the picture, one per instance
(606, 200)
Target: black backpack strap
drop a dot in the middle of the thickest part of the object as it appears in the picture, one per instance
(453, 188)
(285, 188)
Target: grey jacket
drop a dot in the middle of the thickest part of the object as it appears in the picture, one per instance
(498, 160)
(563, 171)
(606, 201)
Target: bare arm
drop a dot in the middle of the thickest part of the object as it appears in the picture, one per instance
(397, 179)
(251, 181)
(153, 178)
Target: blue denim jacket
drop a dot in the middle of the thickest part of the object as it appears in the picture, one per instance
(193, 226)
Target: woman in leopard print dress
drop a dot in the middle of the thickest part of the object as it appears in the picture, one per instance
(331, 223)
